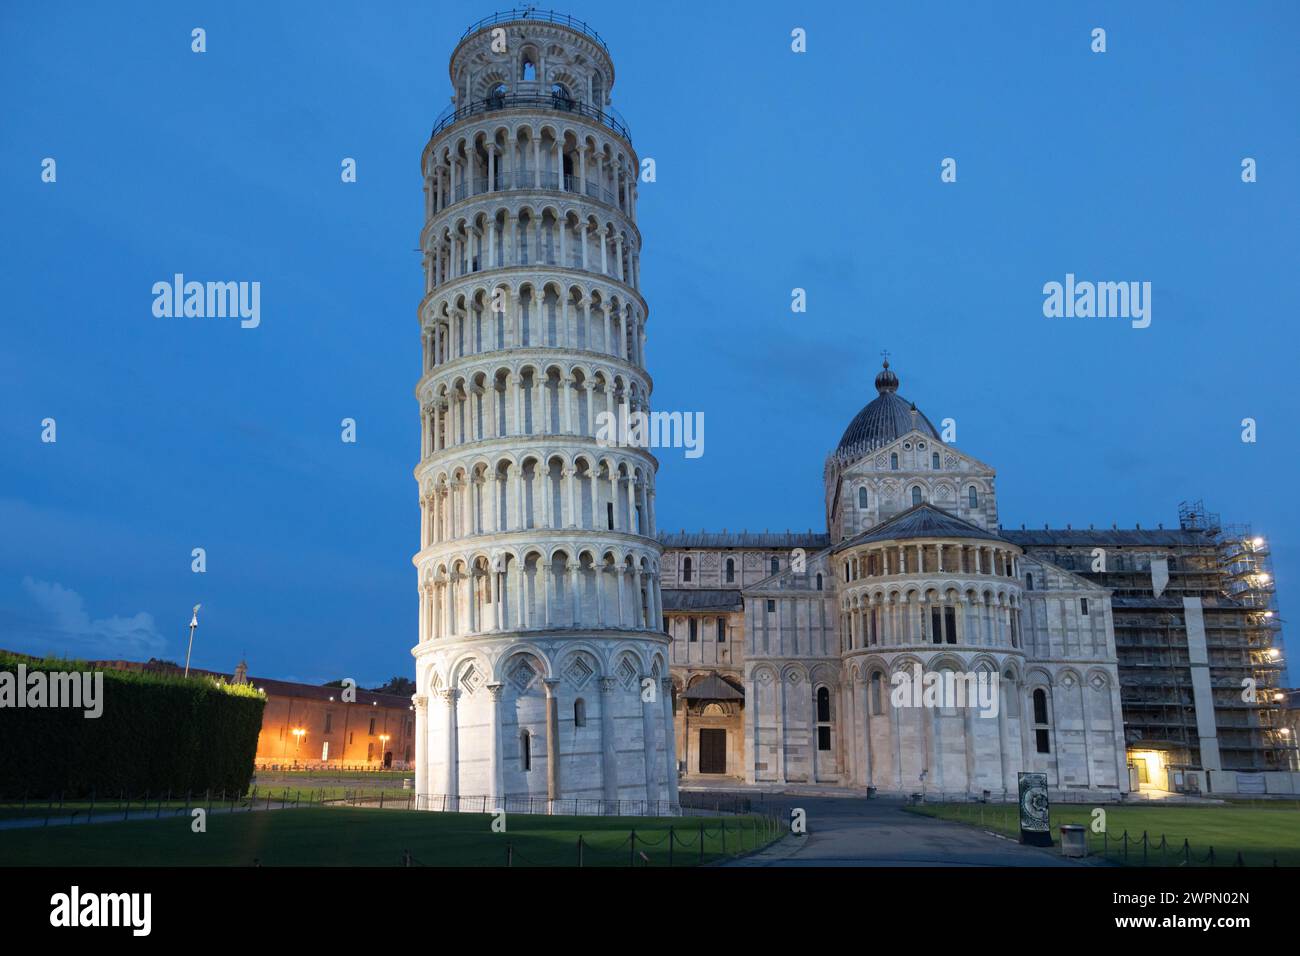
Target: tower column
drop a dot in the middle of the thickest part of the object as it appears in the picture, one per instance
(670, 742)
(449, 774)
(496, 776)
(552, 740)
(608, 745)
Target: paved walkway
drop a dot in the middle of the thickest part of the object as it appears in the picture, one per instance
(856, 832)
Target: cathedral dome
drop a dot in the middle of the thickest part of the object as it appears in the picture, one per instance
(884, 419)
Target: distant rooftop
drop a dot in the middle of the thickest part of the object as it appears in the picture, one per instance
(1114, 537)
(809, 539)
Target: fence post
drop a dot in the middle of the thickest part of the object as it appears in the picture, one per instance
(631, 852)
(1144, 847)
(579, 849)
(671, 837)
(510, 855)
(724, 836)
(381, 799)
(1187, 851)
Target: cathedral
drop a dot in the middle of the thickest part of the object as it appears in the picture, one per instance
(798, 659)
(570, 651)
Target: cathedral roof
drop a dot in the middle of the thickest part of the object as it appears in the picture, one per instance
(702, 599)
(745, 539)
(922, 521)
(884, 419)
(714, 687)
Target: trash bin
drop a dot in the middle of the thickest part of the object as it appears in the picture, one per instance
(1074, 840)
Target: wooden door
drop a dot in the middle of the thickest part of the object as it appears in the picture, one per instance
(713, 751)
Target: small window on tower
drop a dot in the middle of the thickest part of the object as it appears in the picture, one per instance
(1083, 606)
(731, 570)
(934, 461)
(776, 565)
(893, 461)
(862, 498)
(686, 569)
(693, 627)
(916, 496)
(972, 497)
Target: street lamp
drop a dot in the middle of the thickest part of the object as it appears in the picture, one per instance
(194, 623)
(383, 744)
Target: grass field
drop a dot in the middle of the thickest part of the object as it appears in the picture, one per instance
(370, 837)
(1262, 833)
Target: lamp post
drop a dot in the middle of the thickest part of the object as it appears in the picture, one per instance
(194, 623)
(383, 743)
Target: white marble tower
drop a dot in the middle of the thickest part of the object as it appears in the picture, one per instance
(541, 667)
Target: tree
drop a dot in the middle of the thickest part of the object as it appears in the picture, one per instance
(400, 686)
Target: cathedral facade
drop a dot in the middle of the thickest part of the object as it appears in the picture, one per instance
(911, 649)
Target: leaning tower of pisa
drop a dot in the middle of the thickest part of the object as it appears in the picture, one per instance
(541, 667)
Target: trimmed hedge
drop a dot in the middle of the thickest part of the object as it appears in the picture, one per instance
(157, 733)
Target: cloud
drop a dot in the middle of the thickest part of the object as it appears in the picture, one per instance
(67, 628)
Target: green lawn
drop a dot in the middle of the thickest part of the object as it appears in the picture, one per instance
(371, 837)
(1262, 833)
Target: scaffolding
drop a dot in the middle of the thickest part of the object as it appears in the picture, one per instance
(1228, 569)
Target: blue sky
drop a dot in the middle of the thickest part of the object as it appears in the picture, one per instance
(774, 171)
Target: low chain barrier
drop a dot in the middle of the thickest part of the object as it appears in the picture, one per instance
(1128, 849)
(681, 845)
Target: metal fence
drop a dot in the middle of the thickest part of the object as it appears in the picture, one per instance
(683, 844)
(545, 16)
(553, 102)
